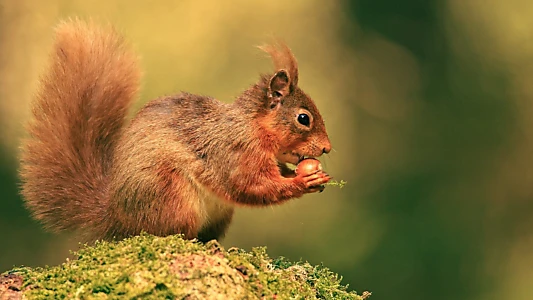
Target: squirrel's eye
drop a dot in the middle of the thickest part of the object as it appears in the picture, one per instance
(303, 119)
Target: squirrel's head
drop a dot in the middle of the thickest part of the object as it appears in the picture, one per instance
(291, 114)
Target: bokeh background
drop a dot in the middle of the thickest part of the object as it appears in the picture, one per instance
(428, 105)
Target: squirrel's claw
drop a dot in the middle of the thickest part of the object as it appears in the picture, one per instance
(315, 189)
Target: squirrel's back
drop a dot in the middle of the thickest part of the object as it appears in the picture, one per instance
(77, 117)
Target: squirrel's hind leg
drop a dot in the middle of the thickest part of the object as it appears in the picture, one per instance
(216, 230)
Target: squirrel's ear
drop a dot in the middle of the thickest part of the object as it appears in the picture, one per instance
(279, 85)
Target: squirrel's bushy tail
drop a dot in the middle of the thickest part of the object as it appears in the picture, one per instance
(78, 114)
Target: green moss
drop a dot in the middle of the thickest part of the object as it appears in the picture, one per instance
(151, 267)
(340, 184)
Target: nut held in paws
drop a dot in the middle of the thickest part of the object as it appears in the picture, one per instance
(307, 166)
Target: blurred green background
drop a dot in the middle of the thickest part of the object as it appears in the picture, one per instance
(427, 103)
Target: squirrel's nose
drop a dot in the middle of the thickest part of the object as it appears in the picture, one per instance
(327, 147)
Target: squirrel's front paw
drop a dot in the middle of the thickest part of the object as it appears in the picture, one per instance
(314, 181)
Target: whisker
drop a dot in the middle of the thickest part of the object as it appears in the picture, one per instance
(324, 161)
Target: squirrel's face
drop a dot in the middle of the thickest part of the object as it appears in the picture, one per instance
(297, 121)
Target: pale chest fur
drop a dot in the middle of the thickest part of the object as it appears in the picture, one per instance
(210, 207)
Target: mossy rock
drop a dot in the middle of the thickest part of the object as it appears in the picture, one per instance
(148, 267)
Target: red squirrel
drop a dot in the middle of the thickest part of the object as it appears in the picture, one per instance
(180, 166)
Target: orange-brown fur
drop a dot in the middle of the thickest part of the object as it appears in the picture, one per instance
(182, 163)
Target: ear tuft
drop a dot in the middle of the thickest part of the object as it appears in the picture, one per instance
(283, 60)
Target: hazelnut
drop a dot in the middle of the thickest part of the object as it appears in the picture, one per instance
(308, 166)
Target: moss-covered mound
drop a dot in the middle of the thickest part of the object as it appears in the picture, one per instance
(172, 268)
